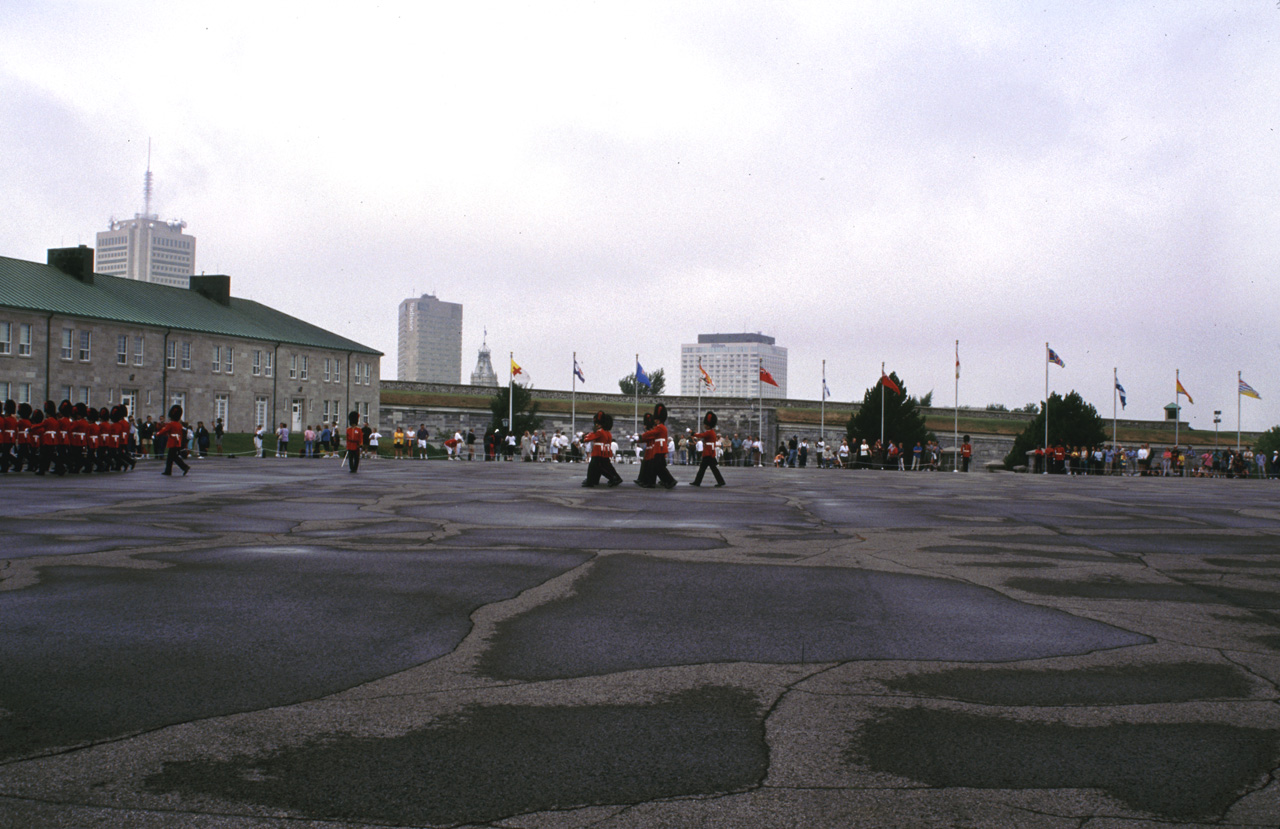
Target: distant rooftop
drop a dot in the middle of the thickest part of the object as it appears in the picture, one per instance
(735, 338)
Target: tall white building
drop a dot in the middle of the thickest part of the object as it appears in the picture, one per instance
(147, 249)
(733, 362)
(484, 375)
(430, 341)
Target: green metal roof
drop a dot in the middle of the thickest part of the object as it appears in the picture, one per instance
(36, 287)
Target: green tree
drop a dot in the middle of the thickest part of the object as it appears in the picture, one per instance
(927, 400)
(657, 384)
(903, 422)
(525, 409)
(1072, 422)
(1268, 441)
(997, 407)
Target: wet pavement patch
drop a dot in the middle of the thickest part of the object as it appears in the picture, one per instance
(1259, 563)
(1181, 770)
(489, 763)
(1188, 543)
(1180, 682)
(92, 652)
(629, 612)
(1142, 591)
(1269, 640)
(1015, 552)
(602, 539)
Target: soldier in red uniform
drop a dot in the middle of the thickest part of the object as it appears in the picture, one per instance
(22, 443)
(173, 433)
(709, 439)
(8, 435)
(655, 452)
(601, 440)
(355, 439)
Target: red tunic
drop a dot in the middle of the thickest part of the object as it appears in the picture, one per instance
(601, 441)
(175, 432)
(708, 439)
(355, 438)
(655, 441)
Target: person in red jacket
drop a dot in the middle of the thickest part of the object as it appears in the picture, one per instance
(8, 435)
(355, 439)
(601, 440)
(655, 452)
(22, 441)
(173, 433)
(709, 439)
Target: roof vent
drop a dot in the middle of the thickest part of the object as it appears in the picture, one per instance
(77, 262)
(216, 287)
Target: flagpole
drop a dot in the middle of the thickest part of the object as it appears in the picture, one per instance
(1239, 379)
(573, 399)
(1115, 393)
(1177, 404)
(822, 428)
(698, 415)
(635, 422)
(760, 396)
(882, 393)
(955, 438)
(511, 397)
(1046, 408)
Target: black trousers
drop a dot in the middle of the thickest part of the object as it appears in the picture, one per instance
(601, 467)
(656, 471)
(353, 459)
(173, 457)
(708, 462)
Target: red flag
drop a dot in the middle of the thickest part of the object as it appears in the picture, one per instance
(766, 377)
(889, 384)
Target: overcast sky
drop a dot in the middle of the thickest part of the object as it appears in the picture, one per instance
(865, 182)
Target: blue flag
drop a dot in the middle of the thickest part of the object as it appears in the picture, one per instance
(642, 379)
(577, 369)
(1120, 389)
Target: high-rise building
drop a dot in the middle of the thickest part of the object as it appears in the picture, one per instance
(430, 341)
(733, 363)
(484, 375)
(147, 249)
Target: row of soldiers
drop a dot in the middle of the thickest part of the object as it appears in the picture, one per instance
(64, 438)
(657, 444)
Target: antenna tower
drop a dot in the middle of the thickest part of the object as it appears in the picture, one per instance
(146, 185)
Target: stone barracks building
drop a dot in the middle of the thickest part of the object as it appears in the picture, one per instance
(69, 333)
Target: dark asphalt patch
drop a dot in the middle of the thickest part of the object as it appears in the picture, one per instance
(489, 763)
(1247, 563)
(92, 652)
(602, 539)
(1133, 591)
(1180, 682)
(1270, 640)
(630, 612)
(1188, 543)
(1184, 770)
(1047, 539)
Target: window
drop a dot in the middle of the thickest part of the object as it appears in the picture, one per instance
(24, 339)
(122, 350)
(327, 374)
(337, 413)
(186, 356)
(337, 371)
(84, 395)
(66, 344)
(217, 359)
(325, 419)
(179, 398)
(366, 373)
(260, 410)
(293, 366)
(302, 371)
(221, 405)
(171, 355)
(4, 393)
(269, 368)
(229, 358)
(84, 346)
(24, 392)
(66, 393)
(257, 363)
(6, 340)
(137, 351)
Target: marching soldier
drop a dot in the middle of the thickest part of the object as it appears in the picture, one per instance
(601, 440)
(709, 461)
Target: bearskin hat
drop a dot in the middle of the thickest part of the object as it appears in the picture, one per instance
(24, 411)
(10, 407)
(353, 418)
(175, 412)
(79, 410)
(606, 421)
(710, 420)
(660, 413)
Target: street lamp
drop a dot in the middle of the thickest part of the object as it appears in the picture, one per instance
(1217, 418)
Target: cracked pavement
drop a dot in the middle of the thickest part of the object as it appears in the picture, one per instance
(280, 643)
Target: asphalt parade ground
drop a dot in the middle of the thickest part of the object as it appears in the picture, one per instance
(279, 643)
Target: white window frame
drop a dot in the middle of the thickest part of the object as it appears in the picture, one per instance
(256, 368)
(229, 360)
(86, 346)
(269, 367)
(139, 343)
(216, 351)
(186, 360)
(302, 369)
(293, 366)
(6, 341)
(24, 339)
(68, 341)
(122, 349)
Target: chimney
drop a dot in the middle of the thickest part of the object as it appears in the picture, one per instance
(77, 262)
(216, 287)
